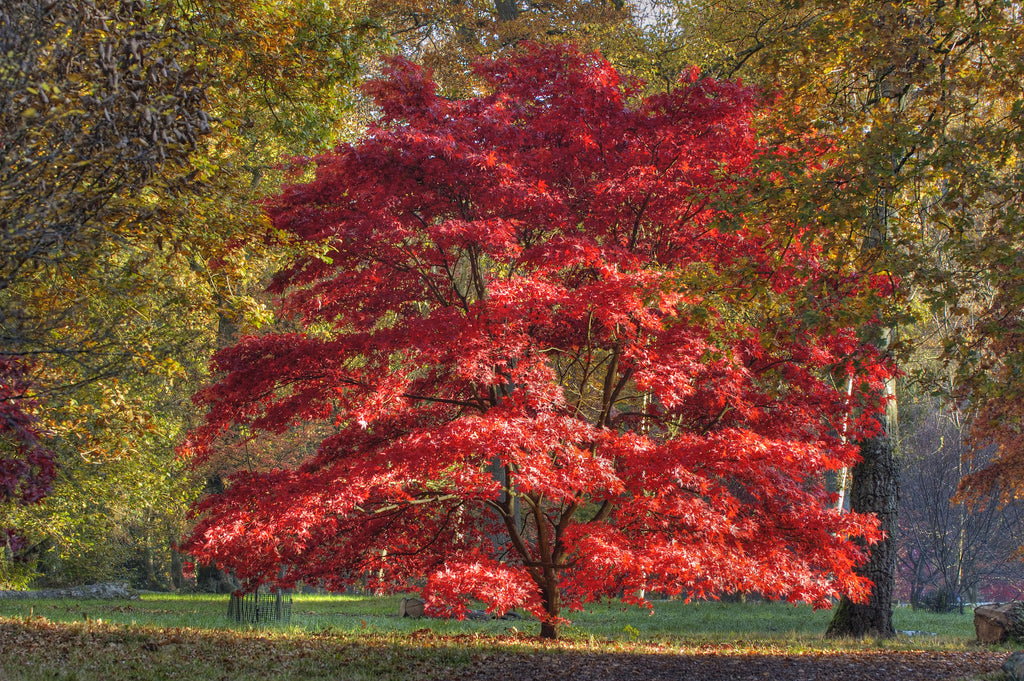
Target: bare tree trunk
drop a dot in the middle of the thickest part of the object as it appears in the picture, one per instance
(177, 565)
(875, 480)
(875, 490)
(553, 607)
(508, 10)
(843, 477)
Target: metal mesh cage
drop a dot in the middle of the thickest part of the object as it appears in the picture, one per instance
(257, 608)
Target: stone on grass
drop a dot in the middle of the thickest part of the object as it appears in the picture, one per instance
(411, 607)
(997, 623)
(112, 591)
(1014, 666)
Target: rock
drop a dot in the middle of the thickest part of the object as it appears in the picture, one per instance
(1014, 666)
(112, 591)
(411, 607)
(997, 623)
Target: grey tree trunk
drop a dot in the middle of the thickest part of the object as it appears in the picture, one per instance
(875, 480)
(874, 489)
(508, 10)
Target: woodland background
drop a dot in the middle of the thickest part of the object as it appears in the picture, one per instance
(138, 138)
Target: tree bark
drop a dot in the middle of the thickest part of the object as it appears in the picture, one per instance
(177, 568)
(875, 480)
(874, 489)
(508, 10)
(552, 607)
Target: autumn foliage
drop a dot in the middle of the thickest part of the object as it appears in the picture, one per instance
(553, 361)
(26, 467)
(998, 394)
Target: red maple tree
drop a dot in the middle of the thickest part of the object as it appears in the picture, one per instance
(554, 365)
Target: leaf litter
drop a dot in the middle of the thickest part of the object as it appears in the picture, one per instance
(35, 648)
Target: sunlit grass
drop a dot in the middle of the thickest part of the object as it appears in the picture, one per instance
(669, 622)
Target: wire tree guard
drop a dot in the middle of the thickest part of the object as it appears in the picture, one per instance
(260, 608)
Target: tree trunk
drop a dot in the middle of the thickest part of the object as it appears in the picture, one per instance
(177, 567)
(875, 480)
(508, 10)
(875, 489)
(552, 607)
(149, 568)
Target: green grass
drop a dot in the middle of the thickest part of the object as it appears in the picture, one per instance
(670, 620)
(361, 637)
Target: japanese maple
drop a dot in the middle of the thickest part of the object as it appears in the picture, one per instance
(554, 365)
(27, 467)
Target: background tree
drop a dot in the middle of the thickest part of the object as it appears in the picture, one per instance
(448, 38)
(902, 88)
(543, 348)
(98, 103)
(137, 136)
(989, 354)
(950, 553)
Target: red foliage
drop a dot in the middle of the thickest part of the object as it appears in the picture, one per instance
(557, 367)
(26, 466)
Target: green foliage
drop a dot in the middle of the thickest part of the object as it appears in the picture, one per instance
(114, 428)
(102, 107)
(280, 74)
(449, 37)
(14, 575)
(97, 102)
(136, 139)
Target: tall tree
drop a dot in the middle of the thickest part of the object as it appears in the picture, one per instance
(902, 88)
(449, 37)
(98, 103)
(136, 137)
(542, 346)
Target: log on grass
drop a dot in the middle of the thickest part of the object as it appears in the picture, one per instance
(997, 623)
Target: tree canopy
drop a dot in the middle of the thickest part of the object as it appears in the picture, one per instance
(135, 138)
(542, 341)
(916, 97)
(98, 101)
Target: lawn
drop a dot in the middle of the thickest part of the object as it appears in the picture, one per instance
(361, 637)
